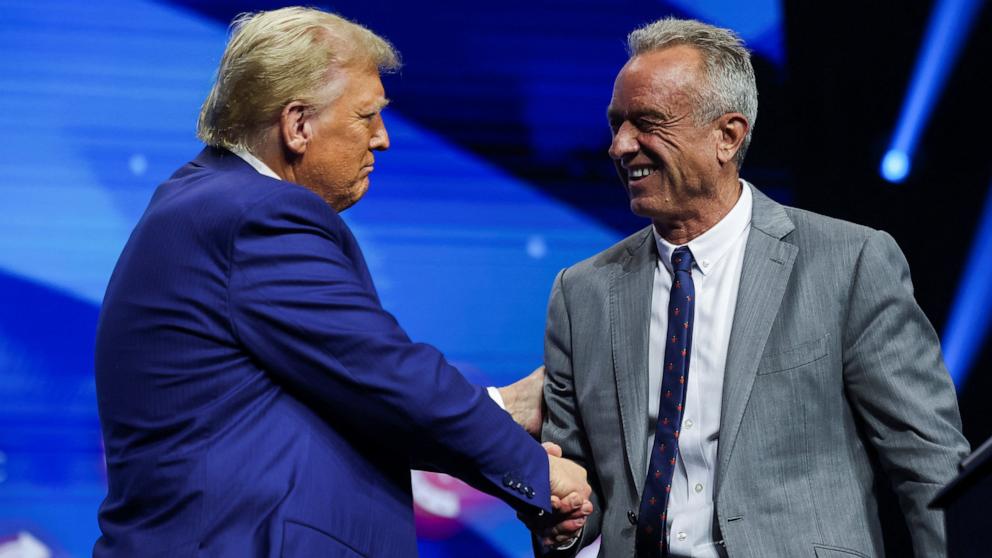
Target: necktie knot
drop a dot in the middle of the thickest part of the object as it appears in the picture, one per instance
(682, 259)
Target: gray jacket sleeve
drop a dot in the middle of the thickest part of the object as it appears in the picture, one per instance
(897, 383)
(562, 422)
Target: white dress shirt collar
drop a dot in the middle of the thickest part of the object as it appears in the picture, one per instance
(255, 162)
(709, 247)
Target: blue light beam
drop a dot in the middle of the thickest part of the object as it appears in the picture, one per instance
(972, 309)
(945, 34)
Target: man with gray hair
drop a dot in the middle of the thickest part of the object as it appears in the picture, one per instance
(255, 398)
(814, 375)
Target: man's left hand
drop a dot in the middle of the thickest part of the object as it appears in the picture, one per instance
(524, 400)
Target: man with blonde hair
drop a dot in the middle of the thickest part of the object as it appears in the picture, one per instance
(763, 370)
(255, 398)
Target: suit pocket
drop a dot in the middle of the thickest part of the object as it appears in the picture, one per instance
(836, 552)
(794, 357)
(304, 541)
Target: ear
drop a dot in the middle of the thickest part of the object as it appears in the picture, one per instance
(294, 127)
(732, 128)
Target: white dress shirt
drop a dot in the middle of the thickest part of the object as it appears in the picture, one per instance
(718, 258)
(255, 163)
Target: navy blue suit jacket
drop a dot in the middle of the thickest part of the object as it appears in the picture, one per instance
(255, 398)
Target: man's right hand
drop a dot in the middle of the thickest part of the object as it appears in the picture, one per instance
(568, 481)
(569, 497)
(568, 528)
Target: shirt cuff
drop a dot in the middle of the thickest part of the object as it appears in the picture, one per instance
(569, 544)
(495, 396)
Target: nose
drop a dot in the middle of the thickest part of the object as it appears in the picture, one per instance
(380, 137)
(624, 142)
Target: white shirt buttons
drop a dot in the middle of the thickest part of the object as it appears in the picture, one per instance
(716, 272)
(699, 488)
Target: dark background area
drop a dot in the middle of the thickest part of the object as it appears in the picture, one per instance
(845, 87)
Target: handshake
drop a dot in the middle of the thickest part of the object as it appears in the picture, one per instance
(570, 494)
(570, 490)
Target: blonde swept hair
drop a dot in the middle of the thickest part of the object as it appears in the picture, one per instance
(276, 57)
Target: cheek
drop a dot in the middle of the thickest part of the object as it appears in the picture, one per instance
(661, 145)
(358, 150)
(329, 166)
(342, 164)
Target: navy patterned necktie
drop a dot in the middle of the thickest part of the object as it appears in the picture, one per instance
(651, 520)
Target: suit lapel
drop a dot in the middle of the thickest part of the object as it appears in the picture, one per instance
(630, 318)
(767, 266)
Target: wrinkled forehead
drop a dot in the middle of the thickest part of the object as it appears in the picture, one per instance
(357, 85)
(666, 76)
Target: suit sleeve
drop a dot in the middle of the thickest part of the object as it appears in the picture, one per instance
(562, 422)
(898, 384)
(300, 307)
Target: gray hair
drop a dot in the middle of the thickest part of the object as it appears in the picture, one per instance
(274, 58)
(731, 85)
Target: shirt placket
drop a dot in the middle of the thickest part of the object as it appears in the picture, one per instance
(688, 488)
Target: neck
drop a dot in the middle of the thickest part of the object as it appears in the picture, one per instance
(682, 229)
(272, 154)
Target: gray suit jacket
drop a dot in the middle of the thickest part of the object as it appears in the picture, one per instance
(830, 360)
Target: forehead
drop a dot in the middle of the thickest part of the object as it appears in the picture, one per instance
(360, 87)
(658, 78)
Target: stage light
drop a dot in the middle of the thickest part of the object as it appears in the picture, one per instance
(895, 166)
(970, 314)
(945, 34)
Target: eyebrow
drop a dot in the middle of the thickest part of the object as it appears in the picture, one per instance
(612, 114)
(382, 104)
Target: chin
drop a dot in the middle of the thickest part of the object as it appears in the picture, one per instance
(360, 192)
(645, 207)
(354, 198)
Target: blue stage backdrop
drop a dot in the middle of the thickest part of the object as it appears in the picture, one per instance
(98, 102)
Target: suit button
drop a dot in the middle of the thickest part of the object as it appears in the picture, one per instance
(529, 492)
(507, 481)
(632, 517)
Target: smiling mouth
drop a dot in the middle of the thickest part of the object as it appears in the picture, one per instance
(639, 172)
